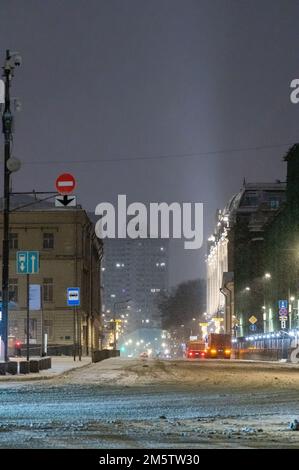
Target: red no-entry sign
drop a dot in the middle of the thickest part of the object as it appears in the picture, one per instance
(65, 183)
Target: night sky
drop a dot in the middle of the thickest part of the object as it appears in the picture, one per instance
(122, 80)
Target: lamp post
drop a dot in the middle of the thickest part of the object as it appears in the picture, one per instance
(267, 276)
(291, 300)
(12, 60)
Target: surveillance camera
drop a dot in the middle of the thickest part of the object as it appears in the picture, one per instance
(14, 60)
(17, 59)
(17, 104)
(13, 164)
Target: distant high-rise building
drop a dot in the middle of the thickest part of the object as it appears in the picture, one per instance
(137, 270)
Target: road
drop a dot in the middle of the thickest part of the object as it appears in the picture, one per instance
(154, 404)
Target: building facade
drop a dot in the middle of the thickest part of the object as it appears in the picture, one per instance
(136, 270)
(70, 256)
(235, 258)
(281, 257)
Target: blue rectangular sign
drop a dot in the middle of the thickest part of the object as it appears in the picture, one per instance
(27, 262)
(283, 304)
(73, 296)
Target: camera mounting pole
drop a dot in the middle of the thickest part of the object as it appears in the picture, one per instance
(7, 129)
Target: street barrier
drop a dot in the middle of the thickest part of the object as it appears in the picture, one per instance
(40, 364)
(34, 365)
(45, 363)
(12, 367)
(3, 368)
(24, 367)
(98, 356)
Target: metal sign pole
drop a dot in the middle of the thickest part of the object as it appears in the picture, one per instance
(73, 300)
(28, 317)
(74, 333)
(79, 335)
(7, 130)
(42, 343)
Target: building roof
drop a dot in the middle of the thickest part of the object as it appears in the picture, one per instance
(291, 152)
(234, 203)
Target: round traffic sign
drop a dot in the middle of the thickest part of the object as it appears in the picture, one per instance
(65, 183)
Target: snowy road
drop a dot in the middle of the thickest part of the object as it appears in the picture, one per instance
(135, 403)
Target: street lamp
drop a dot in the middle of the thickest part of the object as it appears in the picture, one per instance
(267, 277)
(12, 60)
(291, 308)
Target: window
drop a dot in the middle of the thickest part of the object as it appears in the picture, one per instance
(13, 328)
(250, 199)
(13, 241)
(32, 328)
(13, 290)
(48, 328)
(48, 289)
(48, 241)
(274, 203)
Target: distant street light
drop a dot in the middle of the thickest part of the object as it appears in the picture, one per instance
(267, 277)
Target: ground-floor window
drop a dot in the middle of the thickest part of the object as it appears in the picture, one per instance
(32, 328)
(13, 328)
(49, 329)
(13, 290)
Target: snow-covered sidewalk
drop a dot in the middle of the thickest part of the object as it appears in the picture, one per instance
(60, 365)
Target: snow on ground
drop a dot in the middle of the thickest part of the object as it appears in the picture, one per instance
(233, 374)
(129, 403)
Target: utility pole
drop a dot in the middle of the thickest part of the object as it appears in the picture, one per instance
(11, 61)
(28, 316)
